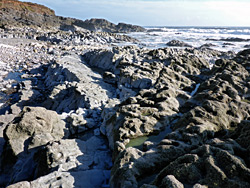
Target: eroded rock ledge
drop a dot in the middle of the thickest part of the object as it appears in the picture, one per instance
(205, 107)
(207, 110)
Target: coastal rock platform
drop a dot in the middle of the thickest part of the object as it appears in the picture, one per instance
(78, 109)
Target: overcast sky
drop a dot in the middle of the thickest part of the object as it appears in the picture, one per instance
(157, 12)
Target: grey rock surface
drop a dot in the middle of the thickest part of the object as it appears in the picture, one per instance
(203, 133)
(35, 124)
(87, 161)
(33, 128)
(77, 111)
(86, 88)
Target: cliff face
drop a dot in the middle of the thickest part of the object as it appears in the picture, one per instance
(16, 13)
(26, 7)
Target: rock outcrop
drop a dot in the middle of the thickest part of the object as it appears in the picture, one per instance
(9, 5)
(202, 148)
(200, 104)
(18, 13)
(106, 26)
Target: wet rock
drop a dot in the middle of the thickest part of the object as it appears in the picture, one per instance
(177, 43)
(207, 45)
(241, 135)
(228, 44)
(235, 39)
(229, 39)
(211, 165)
(145, 164)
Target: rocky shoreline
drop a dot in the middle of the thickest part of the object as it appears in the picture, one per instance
(77, 110)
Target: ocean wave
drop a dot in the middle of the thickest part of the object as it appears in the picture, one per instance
(224, 30)
(158, 37)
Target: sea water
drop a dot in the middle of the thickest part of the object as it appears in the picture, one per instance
(219, 37)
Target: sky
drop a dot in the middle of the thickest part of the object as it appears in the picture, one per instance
(156, 12)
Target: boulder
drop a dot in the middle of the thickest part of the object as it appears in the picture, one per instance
(33, 128)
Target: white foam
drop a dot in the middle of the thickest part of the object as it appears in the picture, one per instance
(157, 37)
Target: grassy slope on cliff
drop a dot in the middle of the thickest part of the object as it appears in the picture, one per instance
(26, 7)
